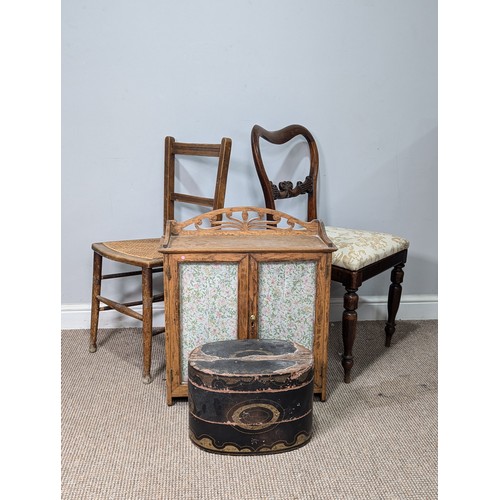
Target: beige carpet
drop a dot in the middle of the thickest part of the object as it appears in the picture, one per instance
(375, 438)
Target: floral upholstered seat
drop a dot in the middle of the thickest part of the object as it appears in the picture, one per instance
(357, 248)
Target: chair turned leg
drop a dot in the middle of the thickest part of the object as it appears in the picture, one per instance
(147, 323)
(393, 302)
(96, 290)
(349, 321)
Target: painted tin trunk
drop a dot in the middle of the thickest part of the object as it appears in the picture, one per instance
(250, 396)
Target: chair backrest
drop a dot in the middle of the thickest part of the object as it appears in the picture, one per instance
(286, 189)
(173, 149)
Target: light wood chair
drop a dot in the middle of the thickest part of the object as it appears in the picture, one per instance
(360, 254)
(143, 253)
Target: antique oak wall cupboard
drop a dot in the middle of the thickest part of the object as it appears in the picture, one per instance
(244, 272)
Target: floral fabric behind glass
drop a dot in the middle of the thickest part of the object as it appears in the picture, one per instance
(287, 295)
(208, 305)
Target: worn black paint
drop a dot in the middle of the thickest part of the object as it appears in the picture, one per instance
(250, 396)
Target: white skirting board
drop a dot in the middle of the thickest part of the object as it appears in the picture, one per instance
(412, 307)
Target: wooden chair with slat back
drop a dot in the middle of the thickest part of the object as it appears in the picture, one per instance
(143, 253)
(360, 255)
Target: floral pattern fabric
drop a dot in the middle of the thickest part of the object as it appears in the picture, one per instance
(287, 296)
(208, 305)
(358, 248)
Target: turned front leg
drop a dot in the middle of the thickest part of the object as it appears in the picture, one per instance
(349, 322)
(96, 291)
(147, 323)
(393, 301)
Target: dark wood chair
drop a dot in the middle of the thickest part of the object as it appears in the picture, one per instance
(143, 253)
(360, 255)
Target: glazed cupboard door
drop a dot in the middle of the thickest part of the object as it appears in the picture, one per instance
(206, 302)
(287, 300)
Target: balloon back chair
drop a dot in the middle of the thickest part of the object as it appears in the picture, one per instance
(143, 253)
(360, 255)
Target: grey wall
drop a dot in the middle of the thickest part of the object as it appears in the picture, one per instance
(360, 74)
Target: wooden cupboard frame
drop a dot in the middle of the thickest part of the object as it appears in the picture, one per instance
(259, 236)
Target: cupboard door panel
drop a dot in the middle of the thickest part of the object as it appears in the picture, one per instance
(287, 301)
(208, 305)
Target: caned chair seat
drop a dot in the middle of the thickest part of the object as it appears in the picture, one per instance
(358, 248)
(135, 252)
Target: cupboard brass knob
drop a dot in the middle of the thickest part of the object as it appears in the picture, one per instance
(252, 317)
